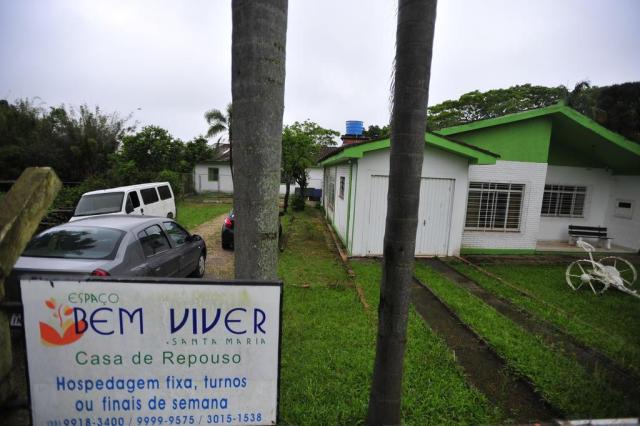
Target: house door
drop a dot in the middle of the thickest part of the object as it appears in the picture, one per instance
(434, 216)
(374, 234)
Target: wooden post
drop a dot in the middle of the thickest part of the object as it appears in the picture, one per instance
(21, 210)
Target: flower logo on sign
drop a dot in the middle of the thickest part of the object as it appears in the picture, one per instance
(60, 330)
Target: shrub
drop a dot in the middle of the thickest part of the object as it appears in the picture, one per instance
(69, 196)
(298, 203)
(174, 178)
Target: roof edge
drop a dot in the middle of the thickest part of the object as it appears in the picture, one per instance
(503, 119)
(559, 108)
(355, 151)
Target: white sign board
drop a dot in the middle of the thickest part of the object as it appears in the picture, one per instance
(138, 353)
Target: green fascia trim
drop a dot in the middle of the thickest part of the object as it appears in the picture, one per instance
(349, 207)
(569, 112)
(496, 251)
(337, 233)
(358, 151)
(353, 225)
(333, 226)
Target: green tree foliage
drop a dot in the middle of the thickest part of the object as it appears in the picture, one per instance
(88, 146)
(617, 107)
(153, 149)
(196, 151)
(377, 132)
(219, 122)
(301, 145)
(77, 143)
(478, 105)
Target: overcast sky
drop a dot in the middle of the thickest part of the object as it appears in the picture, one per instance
(167, 61)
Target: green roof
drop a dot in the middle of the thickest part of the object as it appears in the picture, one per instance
(473, 154)
(576, 140)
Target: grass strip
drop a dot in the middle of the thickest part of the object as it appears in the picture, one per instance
(328, 344)
(557, 377)
(191, 214)
(615, 315)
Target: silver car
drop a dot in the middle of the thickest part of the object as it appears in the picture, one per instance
(119, 245)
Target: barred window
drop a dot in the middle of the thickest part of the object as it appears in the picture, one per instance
(341, 193)
(563, 201)
(494, 206)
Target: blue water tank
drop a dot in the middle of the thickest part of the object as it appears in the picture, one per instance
(355, 127)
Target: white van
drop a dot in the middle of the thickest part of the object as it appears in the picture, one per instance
(149, 199)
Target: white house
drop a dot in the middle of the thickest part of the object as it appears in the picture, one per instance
(355, 194)
(215, 175)
(499, 185)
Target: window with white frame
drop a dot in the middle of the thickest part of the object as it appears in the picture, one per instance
(563, 201)
(341, 192)
(494, 206)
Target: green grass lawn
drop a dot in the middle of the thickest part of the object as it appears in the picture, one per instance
(608, 322)
(329, 344)
(558, 377)
(192, 214)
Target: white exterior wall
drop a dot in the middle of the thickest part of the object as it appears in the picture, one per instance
(225, 182)
(598, 182)
(340, 204)
(532, 175)
(436, 164)
(316, 175)
(201, 178)
(625, 232)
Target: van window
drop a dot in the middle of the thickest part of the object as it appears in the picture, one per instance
(135, 201)
(149, 195)
(165, 192)
(153, 240)
(110, 202)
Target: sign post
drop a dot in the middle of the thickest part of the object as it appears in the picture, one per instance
(134, 352)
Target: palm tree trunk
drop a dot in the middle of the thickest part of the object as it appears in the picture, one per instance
(414, 44)
(286, 196)
(258, 74)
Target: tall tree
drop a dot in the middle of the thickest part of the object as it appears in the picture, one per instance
(301, 144)
(258, 45)
(414, 44)
(616, 107)
(220, 122)
(377, 132)
(478, 105)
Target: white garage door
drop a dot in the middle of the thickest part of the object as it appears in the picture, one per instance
(434, 216)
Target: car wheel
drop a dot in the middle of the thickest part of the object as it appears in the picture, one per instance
(200, 268)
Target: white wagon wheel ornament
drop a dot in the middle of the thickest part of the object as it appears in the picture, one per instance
(610, 271)
(625, 268)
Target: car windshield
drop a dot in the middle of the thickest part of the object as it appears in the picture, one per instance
(76, 243)
(110, 202)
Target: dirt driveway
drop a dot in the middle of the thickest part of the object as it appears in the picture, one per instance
(219, 261)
